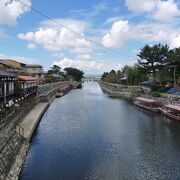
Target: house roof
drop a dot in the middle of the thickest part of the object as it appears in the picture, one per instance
(124, 78)
(27, 78)
(149, 82)
(6, 74)
(34, 66)
(11, 60)
(4, 63)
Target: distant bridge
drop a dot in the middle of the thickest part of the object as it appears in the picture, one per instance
(93, 79)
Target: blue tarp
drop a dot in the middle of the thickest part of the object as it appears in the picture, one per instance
(171, 91)
(178, 92)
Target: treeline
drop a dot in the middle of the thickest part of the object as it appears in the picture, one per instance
(131, 75)
(157, 62)
(55, 74)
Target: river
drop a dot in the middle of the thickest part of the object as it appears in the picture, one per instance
(88, 135)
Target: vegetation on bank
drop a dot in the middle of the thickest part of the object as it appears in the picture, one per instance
(55, 74)
(156, 62)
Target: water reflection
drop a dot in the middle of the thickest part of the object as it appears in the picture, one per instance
(87, 135)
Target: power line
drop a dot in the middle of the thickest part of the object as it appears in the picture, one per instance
(69, 29)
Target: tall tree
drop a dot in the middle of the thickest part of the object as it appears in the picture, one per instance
(55, 69)
(135, 74)
(119, 76)
(153, 58)
(173, 63)
(74, 73)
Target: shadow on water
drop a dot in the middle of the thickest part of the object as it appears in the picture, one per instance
(88, 135)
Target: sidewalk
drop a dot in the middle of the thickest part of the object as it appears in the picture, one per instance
(30, 122)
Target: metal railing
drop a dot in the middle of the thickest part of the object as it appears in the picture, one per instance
(20, 130)
(8, 93)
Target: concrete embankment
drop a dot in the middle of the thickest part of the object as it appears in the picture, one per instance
(13, 153)
(30, 122)
(122, 91)
(129, 93)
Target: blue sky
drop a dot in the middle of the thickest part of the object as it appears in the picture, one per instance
(120, 27)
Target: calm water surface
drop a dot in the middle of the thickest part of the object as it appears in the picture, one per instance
(88, 135)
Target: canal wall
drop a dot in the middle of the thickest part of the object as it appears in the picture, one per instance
(117, 90)
(15, 136)
(130, 92)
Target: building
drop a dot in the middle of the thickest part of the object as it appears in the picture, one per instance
(150, 85)
(5, 66)
(13, 66)
(19, 68)
(27, 85)
(35, 70)
(6, 87)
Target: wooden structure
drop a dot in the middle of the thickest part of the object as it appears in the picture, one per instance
(148, 104)
(171, 111)
(28, 84)
(62, 90)
(6, 87)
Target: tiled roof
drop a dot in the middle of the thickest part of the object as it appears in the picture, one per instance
(27, 78)
(34, 65)
(3, 62)
(6, 74)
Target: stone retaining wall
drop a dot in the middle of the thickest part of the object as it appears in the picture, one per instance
(21, 147)
(127, 92)
(119, 87)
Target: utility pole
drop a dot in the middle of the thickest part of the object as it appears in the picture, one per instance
(174, 73)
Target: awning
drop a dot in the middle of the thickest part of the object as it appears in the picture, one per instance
(27, 78)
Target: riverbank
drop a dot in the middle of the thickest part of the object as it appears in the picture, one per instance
(117, 90)
(16, 135)
(130, 92)
(28, 124)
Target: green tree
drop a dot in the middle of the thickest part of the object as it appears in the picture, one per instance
(119, 76)
(74, 74)
(153, 58)
(135, 74)
(55, 69)
(173, 64)
(103, 77)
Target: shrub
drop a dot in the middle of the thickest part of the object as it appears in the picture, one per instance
(155, 94)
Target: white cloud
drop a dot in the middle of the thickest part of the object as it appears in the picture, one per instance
(122, 31)
(21, 59)
(141, 5)
(99, 8)
(56, 38)
(31, 46)
(175, 43)
(113, 19)
(166, 10)
(161, 10)
(85, 65)
(151, 32)
(10, 11)
(58, 55)
(116, 36)
(95, 11)
(89, 64)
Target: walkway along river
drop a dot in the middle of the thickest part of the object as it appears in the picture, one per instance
(88, 135)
